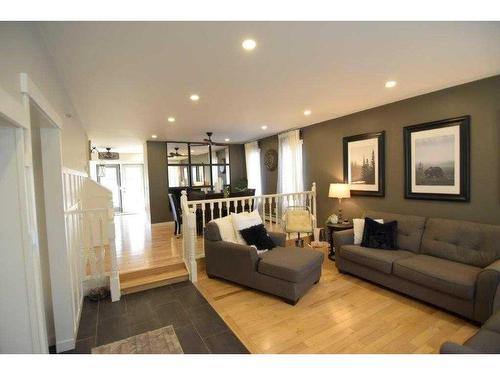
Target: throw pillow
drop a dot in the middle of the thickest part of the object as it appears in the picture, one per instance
(257, 235)
(359, 227)
(226, 229)
(380, 236)
(244, 220)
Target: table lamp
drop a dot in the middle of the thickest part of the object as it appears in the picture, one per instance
(340, 191)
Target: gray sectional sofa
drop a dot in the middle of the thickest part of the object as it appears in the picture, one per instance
(449, 263)
(287, 272)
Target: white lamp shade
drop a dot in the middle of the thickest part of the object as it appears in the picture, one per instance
(339, 191)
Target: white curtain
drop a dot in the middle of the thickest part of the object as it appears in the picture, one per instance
(252, 157)
(290, 176)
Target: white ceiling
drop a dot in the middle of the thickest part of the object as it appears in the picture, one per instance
(126, 78)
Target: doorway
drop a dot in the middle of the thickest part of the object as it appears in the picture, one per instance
(126, 182)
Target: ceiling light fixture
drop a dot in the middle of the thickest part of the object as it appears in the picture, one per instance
(171, 119)
(226, 140)
(154, 136)
(194, 97)
(249, 44)
(263, 127)
(390, 84)
(307, 112)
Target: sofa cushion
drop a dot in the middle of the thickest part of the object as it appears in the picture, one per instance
(410, 228)
(380, 260)
(449, 277)
(289, 263)
(462, 241)
(212, 232)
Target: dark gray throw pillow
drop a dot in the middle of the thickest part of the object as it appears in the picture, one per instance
(380, 236)
(257, 236)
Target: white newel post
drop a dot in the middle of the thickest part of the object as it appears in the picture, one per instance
(314, 213)
(189, 237)
(114, 277)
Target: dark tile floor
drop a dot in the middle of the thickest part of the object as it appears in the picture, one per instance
(197, 325)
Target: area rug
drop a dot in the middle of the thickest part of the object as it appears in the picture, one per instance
(159, 341)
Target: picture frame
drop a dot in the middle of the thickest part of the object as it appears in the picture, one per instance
(364, 163)
(437, 160)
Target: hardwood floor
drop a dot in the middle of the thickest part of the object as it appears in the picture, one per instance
(140, 245)
(341, 314)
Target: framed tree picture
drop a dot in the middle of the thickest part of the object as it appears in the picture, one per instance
(437, 160)
(364, 164)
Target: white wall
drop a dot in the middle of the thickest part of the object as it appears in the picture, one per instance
(22, 50)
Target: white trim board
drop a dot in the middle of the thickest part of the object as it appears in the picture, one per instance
(29, 88)
(13, 111)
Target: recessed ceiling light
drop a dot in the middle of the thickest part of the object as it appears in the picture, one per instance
(307, 112)
(226, 140)
(171, 119)
(194, 97)
(249, 44)
(390, 84)
(154, 136)
(263, 127)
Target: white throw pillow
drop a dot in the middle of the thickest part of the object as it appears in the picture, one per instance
(226, 229)
(244, 220)
(359, 227)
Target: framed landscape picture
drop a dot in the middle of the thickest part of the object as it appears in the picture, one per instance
(437, 160)
(364, 163)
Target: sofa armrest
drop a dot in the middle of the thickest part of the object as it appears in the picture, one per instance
(452, 348)
(278, 238)
(487, 285)
(344, 237)
(230, 261)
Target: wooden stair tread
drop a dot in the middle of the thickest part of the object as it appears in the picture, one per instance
(150, 281)
(152, 270)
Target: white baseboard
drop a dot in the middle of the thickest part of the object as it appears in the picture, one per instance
(65, 345)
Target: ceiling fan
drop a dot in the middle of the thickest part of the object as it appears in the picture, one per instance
(210, 142)
(175, 154)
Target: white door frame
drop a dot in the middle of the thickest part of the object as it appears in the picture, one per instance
(15, 116)
(66, 319)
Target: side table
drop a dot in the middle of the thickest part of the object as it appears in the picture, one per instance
(331, 228)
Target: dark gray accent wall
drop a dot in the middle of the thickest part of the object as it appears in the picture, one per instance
(269, 178)
(158, 186)
(237, 163)
(479, 99)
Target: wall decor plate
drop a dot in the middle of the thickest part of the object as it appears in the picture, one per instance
(271, 160)
(437, 160)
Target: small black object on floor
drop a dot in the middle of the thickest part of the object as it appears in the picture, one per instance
(198, 326)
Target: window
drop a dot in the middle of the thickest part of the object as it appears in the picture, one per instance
(198, 165)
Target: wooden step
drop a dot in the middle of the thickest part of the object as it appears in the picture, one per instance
(154, 277)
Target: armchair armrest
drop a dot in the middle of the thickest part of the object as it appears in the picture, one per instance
(452, 348)
(230, 261)
(344, 237)
(487, 285)
(278, 238)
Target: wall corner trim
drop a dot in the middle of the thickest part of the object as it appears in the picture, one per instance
(29, 88)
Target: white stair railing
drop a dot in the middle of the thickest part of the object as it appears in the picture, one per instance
(90, 235)
(271, 208)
